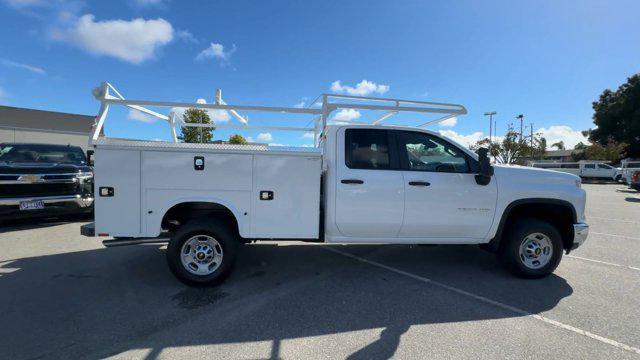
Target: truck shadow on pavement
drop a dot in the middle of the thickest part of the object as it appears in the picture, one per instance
(106, 302)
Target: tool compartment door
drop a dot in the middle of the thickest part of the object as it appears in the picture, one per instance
(286, 196)
(117, 212)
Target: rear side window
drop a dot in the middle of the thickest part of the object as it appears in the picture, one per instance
(589, 166)
(367, 149)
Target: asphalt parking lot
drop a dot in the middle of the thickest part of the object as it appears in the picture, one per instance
(66, 296)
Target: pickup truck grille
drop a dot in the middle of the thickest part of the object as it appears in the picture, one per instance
(35, 190)
(17, 186)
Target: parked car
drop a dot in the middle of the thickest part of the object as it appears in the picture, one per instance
(39, 180)
(635, 181)
(362, 183)
(629, 166)
(585, 169)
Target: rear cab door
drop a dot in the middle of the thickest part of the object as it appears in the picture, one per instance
(369, 196)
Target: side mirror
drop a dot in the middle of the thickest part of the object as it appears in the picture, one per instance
(485, 170)
(90, 157)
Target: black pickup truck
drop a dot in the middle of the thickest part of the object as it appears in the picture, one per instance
(42, 180)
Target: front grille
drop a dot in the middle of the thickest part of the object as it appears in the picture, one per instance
(37, 190)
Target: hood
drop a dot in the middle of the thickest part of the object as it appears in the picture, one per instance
(41, 168)
(532, 174)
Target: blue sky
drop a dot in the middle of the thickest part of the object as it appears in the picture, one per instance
(545, 59)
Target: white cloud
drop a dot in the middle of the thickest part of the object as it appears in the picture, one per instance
(186, 36)
(215, 115)
(217, 52)
(563, 133)
(299, 105)
(249, 139)
(140, 116)
(465, 140)
(451, 122)
(346, 115)
(265, 137)
(133, 41)
(13, 64)
(363, 88)
(308, 135)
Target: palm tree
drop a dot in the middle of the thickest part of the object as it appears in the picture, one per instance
(559, 145)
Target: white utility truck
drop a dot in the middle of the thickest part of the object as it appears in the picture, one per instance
(586, 169)
(360, 183)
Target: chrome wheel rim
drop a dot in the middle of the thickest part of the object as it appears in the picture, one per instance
(536, 250)
(201, 255)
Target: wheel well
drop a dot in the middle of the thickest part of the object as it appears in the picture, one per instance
(181, 213)
(558, 213)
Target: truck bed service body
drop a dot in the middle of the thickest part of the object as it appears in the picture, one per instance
(361, 183)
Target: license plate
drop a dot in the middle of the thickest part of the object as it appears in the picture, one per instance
(31, 205)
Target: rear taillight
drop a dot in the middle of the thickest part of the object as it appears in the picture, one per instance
(636, 176)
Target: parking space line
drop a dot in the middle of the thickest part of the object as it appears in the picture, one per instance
(514, 309)
(603, 262)
(614, 235)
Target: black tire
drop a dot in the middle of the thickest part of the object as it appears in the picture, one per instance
(221, 232)
(509, 252)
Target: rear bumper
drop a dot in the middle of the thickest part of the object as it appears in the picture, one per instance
(580, 234)
(54, 205)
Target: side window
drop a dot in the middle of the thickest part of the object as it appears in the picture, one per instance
(604, 166)
(423, 152)
(367, 149)
(589, 166)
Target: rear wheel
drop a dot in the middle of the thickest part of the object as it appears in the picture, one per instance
(202, 252)
(531, 248)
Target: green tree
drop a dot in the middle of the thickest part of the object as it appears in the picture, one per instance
(612, 151)
(617, 117)
(580, 146)
(558, 145)
(237, 139)
(512, 150)
(196, 134)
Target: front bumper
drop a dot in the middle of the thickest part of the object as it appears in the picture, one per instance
(580, 234)
(77, 199)
(54, 205)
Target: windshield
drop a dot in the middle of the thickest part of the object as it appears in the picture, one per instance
(29, 153)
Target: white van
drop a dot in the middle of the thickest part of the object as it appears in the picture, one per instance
(584, 169)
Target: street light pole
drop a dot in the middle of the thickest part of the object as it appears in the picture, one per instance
(521, 117)
(490, 114)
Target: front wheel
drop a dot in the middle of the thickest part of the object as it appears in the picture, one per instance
(531, 248)
(202, 252)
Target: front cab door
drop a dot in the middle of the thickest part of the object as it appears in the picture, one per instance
(443, 202)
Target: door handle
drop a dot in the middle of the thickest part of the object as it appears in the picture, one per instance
(351, 181)
(419, 183)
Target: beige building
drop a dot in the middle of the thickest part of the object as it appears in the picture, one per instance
(47, 127)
